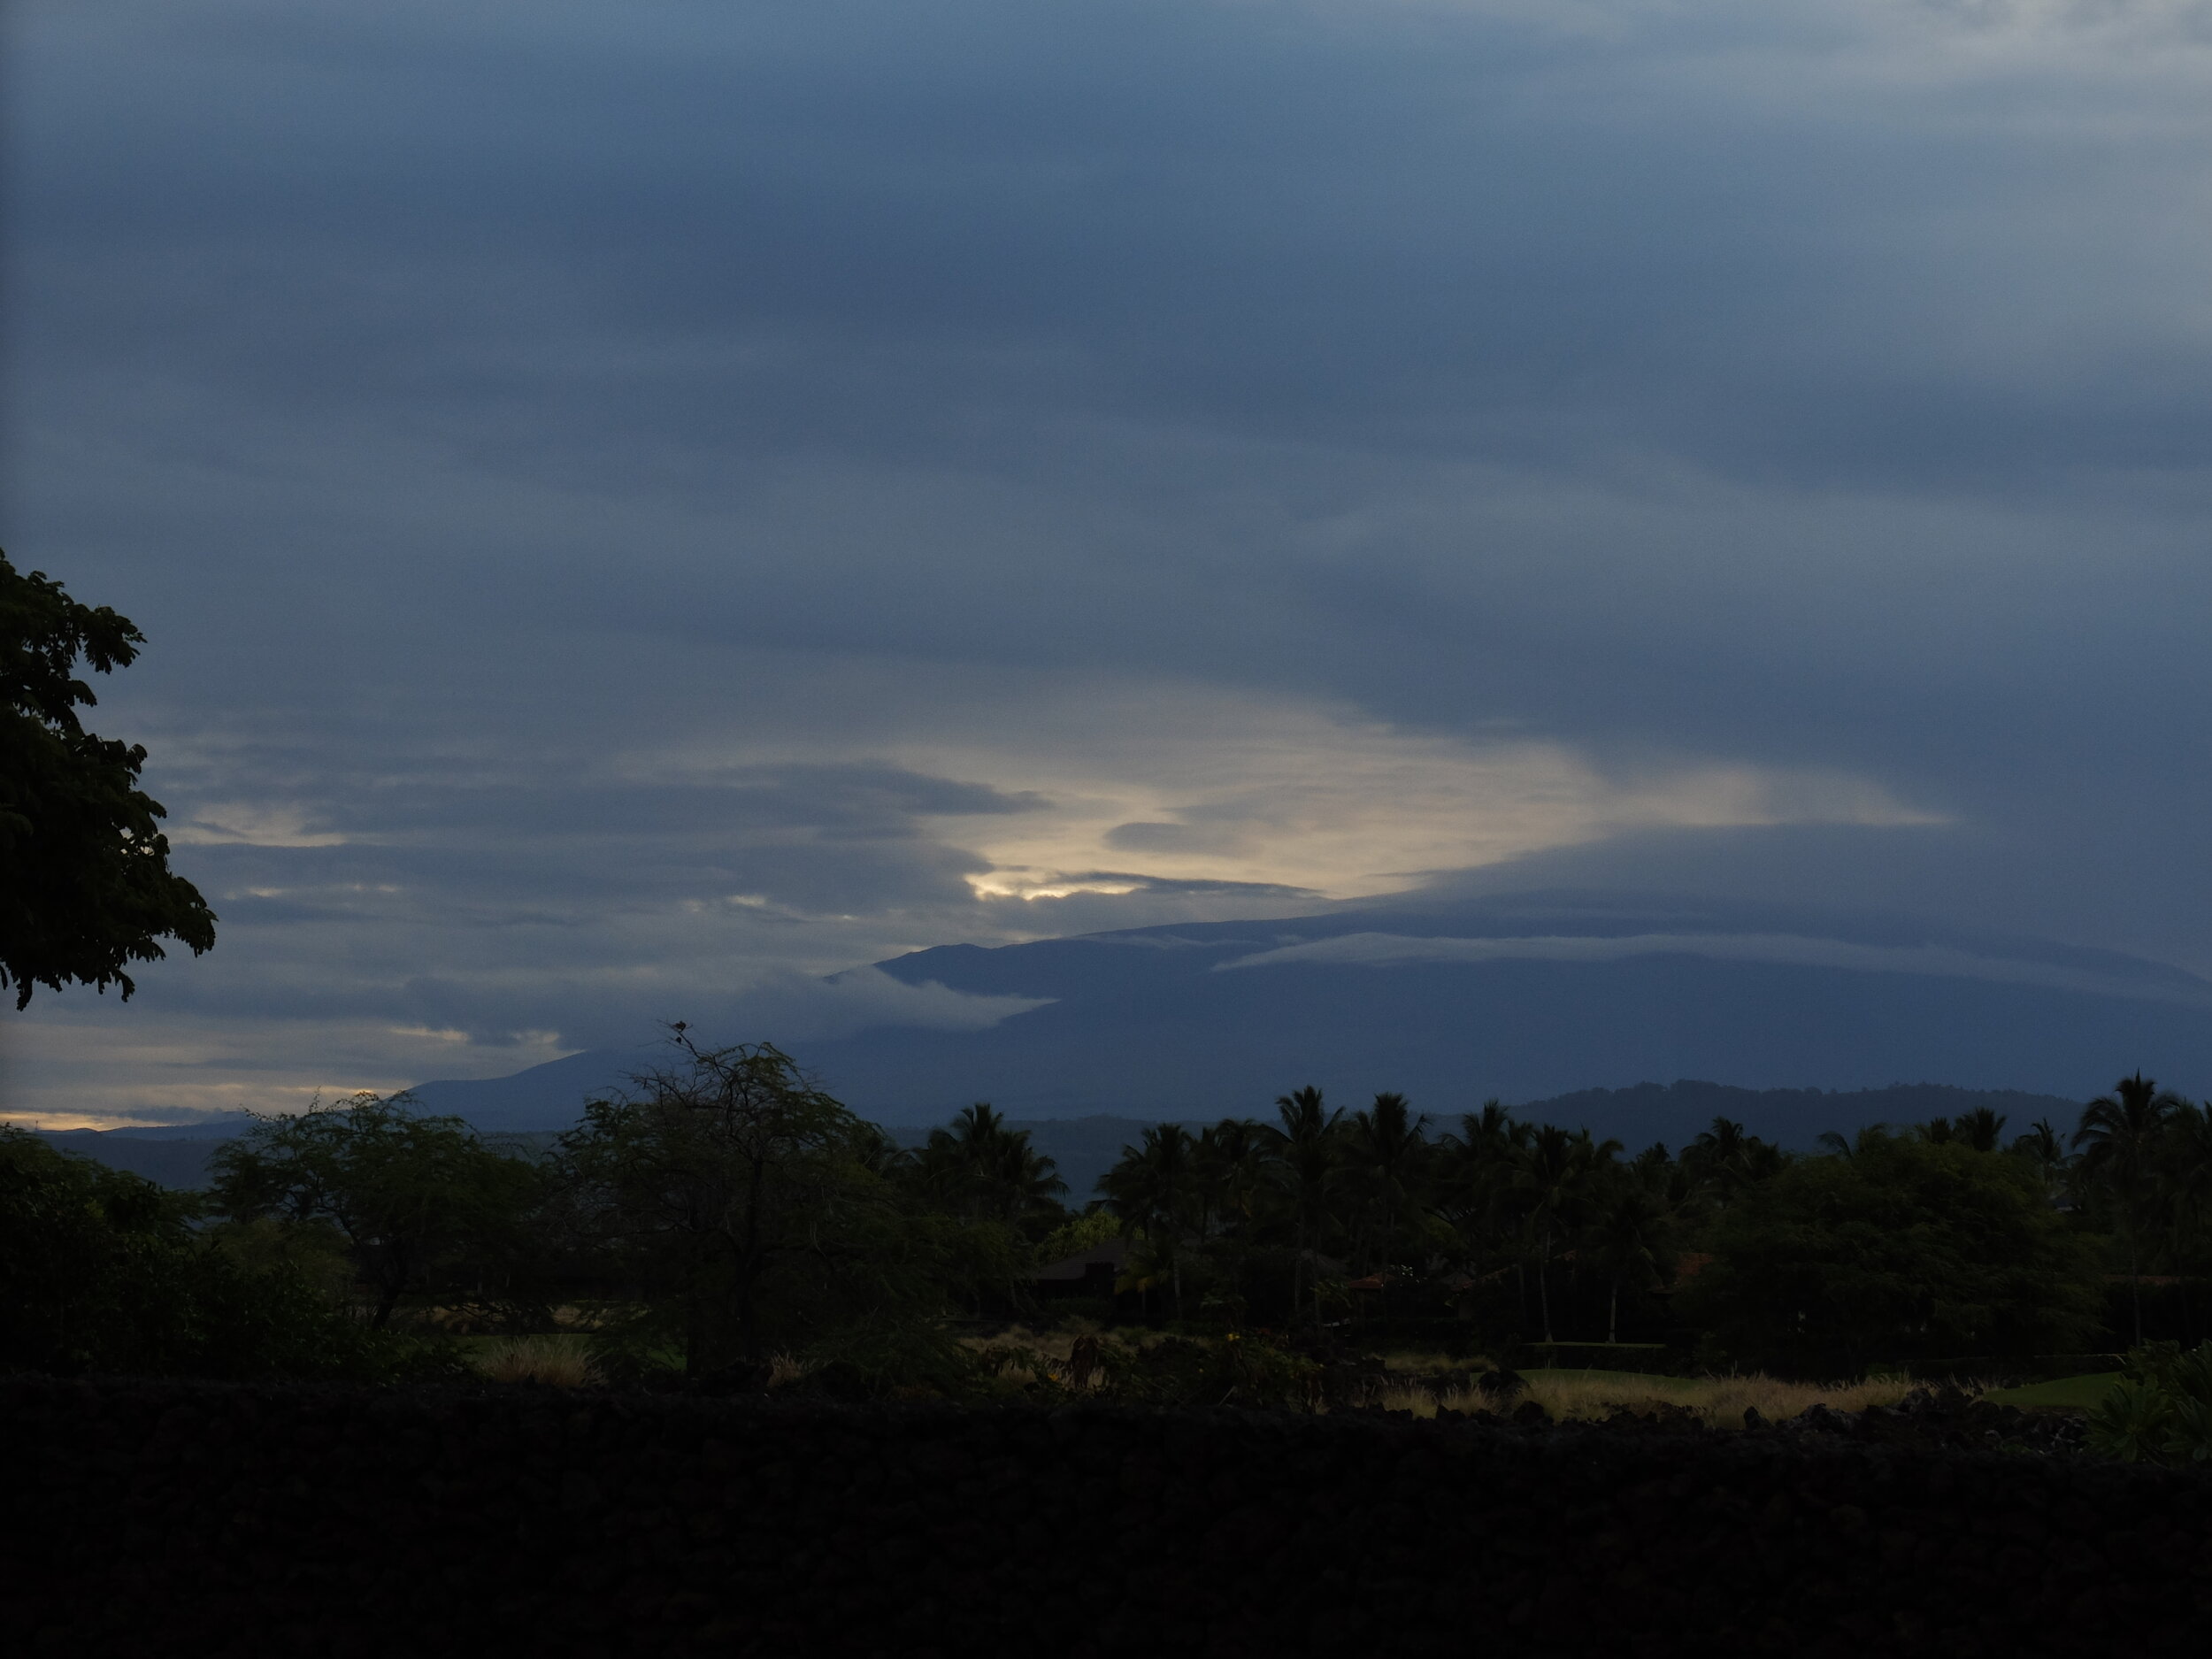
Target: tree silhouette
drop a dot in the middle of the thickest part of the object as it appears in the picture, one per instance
(2042, 1149)
(2184, 1179)
(1386, 1157)
(1558, 1170)
(89, 889)
(1977, 1130)
(1154, 1190)
(2118, 1139)
(1229, 1163)
(406, 1190)
(1906, 1247)
(980, 1169)
(728, 1178)
(1305, 1162)
(1626, 1237)
(1475, 1190)
(1725, 1160)
(1980, 1128)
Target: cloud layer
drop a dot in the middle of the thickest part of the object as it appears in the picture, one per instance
(637, 504)
(1378, 949)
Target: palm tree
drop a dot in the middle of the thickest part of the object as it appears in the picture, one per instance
(1721, 1144)
(1021, 1180)
(1475, 1186)
(1305, 1149)
(1626, 1236)
(1977, 1129)
(1557, 1172)
(980, 1168)
(2040, 1148)
(2119, 1139)
(1229, 1177)
(1152, 1189)
(1230, 1165)
(1766, 1159)
(1980, 1128)
(1386, 1153)
(2184, 1181)
(1726, 1159)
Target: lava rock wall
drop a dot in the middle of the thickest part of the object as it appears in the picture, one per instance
(167, 1519)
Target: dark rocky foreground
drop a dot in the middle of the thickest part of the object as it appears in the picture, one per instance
(174, 1518)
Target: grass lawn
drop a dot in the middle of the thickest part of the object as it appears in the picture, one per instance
(1642, 1381)
(1574, 1391)
(2066, 1393)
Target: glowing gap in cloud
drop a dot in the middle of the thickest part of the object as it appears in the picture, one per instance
(250, 824)
(1199, 785)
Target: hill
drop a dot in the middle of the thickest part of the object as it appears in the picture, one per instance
(1085, 1147)
(1564, 1003)
(1527, 998)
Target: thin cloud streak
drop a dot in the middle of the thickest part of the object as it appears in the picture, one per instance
(1388, 950)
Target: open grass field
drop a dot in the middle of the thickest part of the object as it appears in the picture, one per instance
(1720, 1401)
(1566, 1393)
(1575, 1393)
(2064, 1394)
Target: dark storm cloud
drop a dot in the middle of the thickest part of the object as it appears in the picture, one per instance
(468, 397)
(900, 233)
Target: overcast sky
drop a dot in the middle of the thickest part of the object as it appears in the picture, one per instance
(634, 501)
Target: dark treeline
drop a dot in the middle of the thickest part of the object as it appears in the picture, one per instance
(1944, 1238)
(722, 1212)
(725, 1212)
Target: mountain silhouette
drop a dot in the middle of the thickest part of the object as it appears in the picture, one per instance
(1527, 998)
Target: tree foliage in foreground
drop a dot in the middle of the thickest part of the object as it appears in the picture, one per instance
(418, 1200)
(748, 1209)
(1937, 1238)
(85, 884)
(1907, 1247)
(725, 1212)
(102, 1270)
(2120, 1141)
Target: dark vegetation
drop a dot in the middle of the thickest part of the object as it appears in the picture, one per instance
(725, 1223)
(100, 1271)
(180, 1518)
(85, 884)
(1946, 1238)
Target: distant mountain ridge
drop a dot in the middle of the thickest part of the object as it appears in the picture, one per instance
(1084, 1149)
(1528, 998)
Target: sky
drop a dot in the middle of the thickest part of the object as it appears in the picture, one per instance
(637, 506)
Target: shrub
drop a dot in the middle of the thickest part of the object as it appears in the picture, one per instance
(102, 1270)
(559, 1361)
(2160, 1410)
